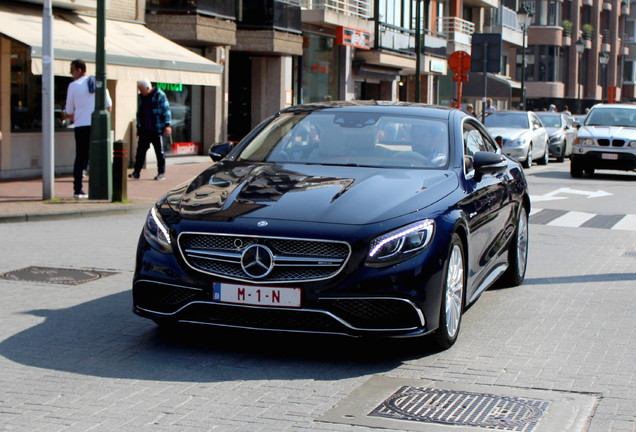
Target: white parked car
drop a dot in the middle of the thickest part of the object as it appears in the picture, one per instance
(561, 131)
(605, 140)
(521, 135)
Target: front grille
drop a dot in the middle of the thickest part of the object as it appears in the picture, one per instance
(293, 260)
(604, 142)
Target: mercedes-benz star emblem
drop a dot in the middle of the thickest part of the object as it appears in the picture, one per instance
(257, 261)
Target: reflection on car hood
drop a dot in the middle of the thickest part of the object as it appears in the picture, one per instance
(626, 133)
(311, 193)
(507, 133)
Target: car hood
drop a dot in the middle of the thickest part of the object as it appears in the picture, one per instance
(507, 133)
(621, 132)
(309, 193)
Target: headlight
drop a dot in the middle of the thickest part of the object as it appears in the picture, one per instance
(400, 244)
(518, 142)
(156, 232)
(584, 141)
(556, 138)
(632, 144)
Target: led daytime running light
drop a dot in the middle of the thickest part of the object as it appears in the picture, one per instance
(415, 228)
(160, 225)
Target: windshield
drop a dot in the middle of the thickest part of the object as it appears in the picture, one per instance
(550, 120)
(334, 137)
(611, 117)
(507, 120)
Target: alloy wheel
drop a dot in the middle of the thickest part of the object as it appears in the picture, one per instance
(454, 290)
(522, 243)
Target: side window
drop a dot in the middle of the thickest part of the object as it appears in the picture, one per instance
(472, 142)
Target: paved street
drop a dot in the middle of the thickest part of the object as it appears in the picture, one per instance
(75, 358)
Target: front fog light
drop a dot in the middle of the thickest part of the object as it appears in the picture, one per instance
(156, 232)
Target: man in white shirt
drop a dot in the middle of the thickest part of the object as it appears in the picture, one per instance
(80, 104)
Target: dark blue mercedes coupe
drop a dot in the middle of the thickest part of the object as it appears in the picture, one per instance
(350, 218)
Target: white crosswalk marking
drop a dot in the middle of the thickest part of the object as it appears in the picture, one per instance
(572, 219)
(627, 223)
(576, 219)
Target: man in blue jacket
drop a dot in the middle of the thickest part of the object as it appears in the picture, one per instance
(153, 123)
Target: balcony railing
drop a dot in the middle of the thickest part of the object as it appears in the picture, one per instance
(271, 14)
(355, 8)
(456, 29)
(403, 40)
(215, 8)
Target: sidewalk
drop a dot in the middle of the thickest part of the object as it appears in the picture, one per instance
(21, 200)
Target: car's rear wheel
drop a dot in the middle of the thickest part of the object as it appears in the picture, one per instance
(576, 170)
(528, 162)
(518, 252)
(454, 289)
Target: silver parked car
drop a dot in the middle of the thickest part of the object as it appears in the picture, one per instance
(561, 132)
(606, 140)
(521, 135)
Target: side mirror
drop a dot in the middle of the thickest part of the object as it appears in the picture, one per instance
(219, 150)
(488, 163)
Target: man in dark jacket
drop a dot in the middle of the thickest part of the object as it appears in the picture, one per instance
(153, 123)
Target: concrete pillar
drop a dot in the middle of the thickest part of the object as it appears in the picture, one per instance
(215, 100)
(347, 87)
(270, 76)
(5, 103)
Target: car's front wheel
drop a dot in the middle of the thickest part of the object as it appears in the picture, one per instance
(528, 162)
(518, 252)
(454, 289)
(546, 157)
(576, 170)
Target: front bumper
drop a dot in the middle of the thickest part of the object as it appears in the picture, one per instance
(400, 300)
(600, 158)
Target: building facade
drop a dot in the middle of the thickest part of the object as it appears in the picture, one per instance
(227, 65)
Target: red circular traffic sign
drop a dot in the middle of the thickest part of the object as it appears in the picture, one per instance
(459, 62)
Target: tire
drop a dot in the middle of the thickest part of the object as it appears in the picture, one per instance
(453, 293)
(589, 171)
(518, 252)
(546, 157)
(561, 157)
(576, 170)
(528, 162)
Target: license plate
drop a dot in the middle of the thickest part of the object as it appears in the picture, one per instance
(257, 295)
(609, 156)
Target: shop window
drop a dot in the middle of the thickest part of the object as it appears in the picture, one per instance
(320, 69)
(180, 97)
(26, 94)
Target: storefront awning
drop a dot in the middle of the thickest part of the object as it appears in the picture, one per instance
(499, 87)
(132, 50)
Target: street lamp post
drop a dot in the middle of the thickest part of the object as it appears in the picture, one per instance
(604, 60)
(524, 17)
(580, 47)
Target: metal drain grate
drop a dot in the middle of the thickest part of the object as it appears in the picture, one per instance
(462, 409)
(54, 275)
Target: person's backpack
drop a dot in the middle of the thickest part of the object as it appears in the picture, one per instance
(91, 83)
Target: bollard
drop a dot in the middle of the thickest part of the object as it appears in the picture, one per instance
(120, 165)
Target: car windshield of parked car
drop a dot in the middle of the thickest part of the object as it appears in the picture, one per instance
(611, 117)
(550, 120)
(507, 120)
(335, 137)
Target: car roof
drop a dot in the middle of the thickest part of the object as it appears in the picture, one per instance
(616, 105)
(387, 107)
